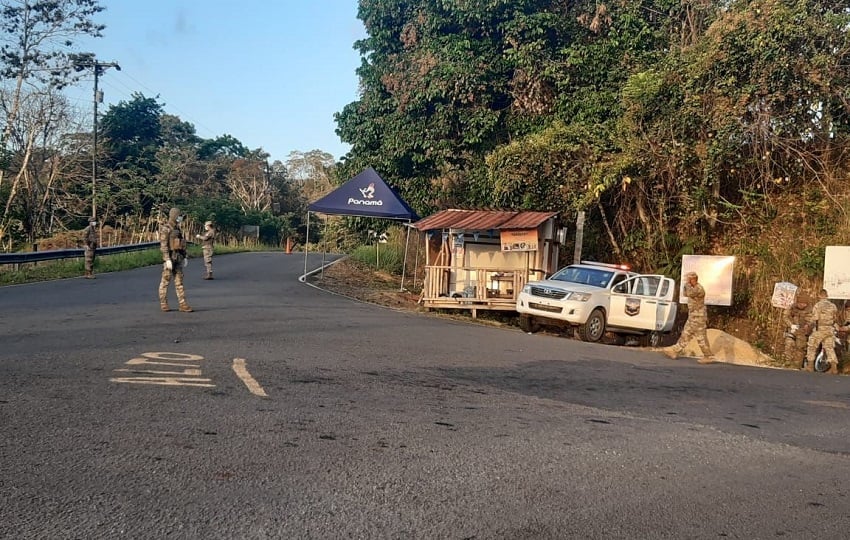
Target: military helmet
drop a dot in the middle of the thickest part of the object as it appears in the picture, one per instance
(173, 214)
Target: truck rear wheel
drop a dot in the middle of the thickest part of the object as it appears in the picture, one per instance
(528, 324)
(594, 328)
(652, 339)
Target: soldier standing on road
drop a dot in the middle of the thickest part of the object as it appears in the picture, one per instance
(173, 248)
(823, 319)
(697, 321)
(89, 247)
(796, 319)
(207, 241)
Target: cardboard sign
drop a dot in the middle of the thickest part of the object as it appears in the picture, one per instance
(784, 295)
(519, 240)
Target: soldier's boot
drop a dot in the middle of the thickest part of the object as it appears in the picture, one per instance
(671, 352)
(186, 308)
(208, 276)
(833, 368)
(710, 359)
(89, 274)
(810, 366)
(163, 302)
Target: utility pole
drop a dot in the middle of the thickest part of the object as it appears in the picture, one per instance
(579, 237)
(98, 97)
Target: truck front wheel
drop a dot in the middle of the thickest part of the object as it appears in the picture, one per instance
(594, 328)
(528, 324)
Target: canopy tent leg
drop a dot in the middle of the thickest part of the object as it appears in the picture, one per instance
(324, 246)
(404, 261)
(307, 245)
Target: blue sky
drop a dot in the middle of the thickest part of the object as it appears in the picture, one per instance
(270, 73)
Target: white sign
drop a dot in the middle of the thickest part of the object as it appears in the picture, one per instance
(836, 272)
(784, 295)
(715, 275)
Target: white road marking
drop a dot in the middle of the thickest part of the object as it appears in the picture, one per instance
(242, 372)
(191, 372)
(172, 356)
(164, 381)
(187, 374)
(145, 361)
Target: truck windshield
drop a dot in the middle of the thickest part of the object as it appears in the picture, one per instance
(584, 276)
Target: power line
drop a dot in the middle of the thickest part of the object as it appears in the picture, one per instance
(118, 81)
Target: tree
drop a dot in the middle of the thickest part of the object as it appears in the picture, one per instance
(435, 92)
(38, 43)
(313, 172)
(133, 133)
(222, 146)
(34, 199)
(250, 185)
(176, 133)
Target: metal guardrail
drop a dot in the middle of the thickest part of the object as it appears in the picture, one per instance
(54, 254)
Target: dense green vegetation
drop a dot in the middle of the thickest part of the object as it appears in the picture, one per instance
(669, 122)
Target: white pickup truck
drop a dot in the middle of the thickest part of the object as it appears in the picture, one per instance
(596, 297)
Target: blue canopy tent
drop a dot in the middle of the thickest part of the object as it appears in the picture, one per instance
(364, 195)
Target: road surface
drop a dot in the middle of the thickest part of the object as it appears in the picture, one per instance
(277, 410)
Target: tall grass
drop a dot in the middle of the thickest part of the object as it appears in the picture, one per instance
(387, 257)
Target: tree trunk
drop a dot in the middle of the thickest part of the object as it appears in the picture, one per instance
(608, 230)
(11, 115)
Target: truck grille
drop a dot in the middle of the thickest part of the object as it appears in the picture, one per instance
(545, 292)
(541, 307)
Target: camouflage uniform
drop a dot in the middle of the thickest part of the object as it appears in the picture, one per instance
(173, 248)
(796, 319)
(823, 317)
(89, 247)
(695, 326)
(207, 241)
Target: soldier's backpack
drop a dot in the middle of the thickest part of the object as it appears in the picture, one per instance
(176, 244)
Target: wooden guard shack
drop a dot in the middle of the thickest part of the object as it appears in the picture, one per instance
(481, 259)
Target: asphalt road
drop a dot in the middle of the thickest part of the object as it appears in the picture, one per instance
(277, 410)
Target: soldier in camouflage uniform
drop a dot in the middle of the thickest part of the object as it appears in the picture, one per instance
(173, 248)
(796, 319)
(89, 247)
(695, 326)
(207, 241)
(822, 319)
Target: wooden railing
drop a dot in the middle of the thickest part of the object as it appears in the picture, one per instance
(474, 288)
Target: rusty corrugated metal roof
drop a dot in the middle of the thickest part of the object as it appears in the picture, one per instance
(482, 220)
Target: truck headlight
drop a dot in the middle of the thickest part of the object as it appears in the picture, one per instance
(579, 296)
(526, 288)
